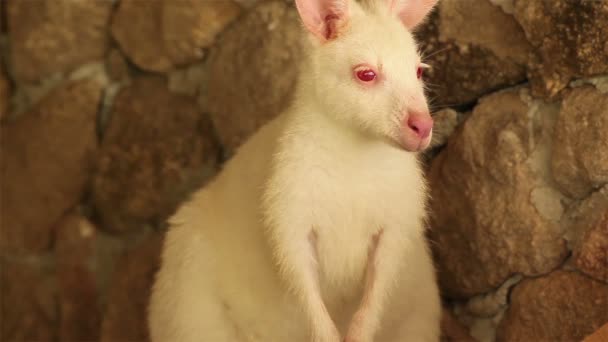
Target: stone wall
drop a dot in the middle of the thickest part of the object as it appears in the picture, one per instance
(113, 111)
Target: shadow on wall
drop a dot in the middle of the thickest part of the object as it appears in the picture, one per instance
(114, 111)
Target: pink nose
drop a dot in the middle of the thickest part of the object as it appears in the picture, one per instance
(421, 125)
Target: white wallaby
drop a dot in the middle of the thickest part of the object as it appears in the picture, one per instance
(315, 229)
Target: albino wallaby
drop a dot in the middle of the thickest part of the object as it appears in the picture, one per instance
(315, 229)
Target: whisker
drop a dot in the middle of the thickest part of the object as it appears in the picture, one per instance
(424, 57)
(435, 107)
(433, 84)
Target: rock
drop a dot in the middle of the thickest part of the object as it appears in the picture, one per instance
(125, 316)
(506, 6)
(45, 165)
(445, 122)
(482, 313)
(592, 258)
(581, 131)
(49, 37)
(79, 305)
(27, 95)
(157, 147)
(562, 306)
(460, 21)
(601, 335)
(490, 304)
(5, 93)
(158, 35)
(569, 38)
(452, 330)
(462, 71)
(117, 66)
(582, 224)
(137, 27)
(253, 71)
(27, 303)
(191, 25)
(495, 212)
(247, 3)
(189, 80)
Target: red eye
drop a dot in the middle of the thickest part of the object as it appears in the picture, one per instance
(366, 75)
(419, 72)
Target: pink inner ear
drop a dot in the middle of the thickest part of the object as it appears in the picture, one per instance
(331, 26)
(322, 17)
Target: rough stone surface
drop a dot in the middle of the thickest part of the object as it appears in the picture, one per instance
(78, 295)
(117, 66)
(27, 303)
(247, 3)
(5, 92)
(137, 27)
(444, 124)
(191, 25)
(489, 304)
(190, 80)
(569, 38)
(452, 330)
(552, 308)
(487, 222)
(462, 72)
(157, 35)
(253, 71)
(482, 313)
(157, 147)
(592, 258)
(581, 132)
(56, 36)
(125, 315)
(580, 224)
(461, 21)
(45, 164)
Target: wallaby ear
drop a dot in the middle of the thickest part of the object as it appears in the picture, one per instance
(324, 18)
(412, 12)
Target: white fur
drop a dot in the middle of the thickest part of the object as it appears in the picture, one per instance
(279, 247)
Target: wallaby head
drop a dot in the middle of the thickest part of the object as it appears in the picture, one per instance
(364, 67)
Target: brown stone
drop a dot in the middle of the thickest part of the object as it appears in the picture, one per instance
(582, 223)
(45, 165)
(248, 3)
(462, 71)
(55, 36)
(27, 303)
(581, 132)
(158, 35)
(157, 147)
(5, 93)
(601, 335)
(190, 80)
(125, 316)
(78, 294)
(253, 71)
(569, 38)
(461, 21)
(494, 212)
(562, 306)
(191, 25)
(593, 255)
(137, 27)
(452, 330)
(117, 66)
(444, 124)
